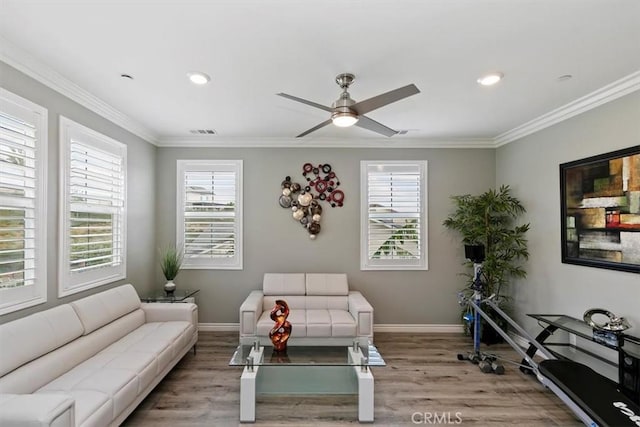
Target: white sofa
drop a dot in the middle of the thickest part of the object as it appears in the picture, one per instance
(92, 361)
(322, 310)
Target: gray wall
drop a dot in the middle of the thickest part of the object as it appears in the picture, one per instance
(531, 167)
(274, 242)
(141, 157)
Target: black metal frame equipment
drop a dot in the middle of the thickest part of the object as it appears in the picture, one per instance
(593, 398)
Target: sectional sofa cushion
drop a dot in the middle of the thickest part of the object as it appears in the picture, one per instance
(105, 352)
(97, 310)
(26, 339)
(122, 370)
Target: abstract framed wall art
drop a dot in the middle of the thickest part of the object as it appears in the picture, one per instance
(600, 207)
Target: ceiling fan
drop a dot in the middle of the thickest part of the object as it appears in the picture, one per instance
(346, 112)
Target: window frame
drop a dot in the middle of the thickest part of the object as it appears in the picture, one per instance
(69, 282)
(183, 166)
(19, 298)
(393, 265)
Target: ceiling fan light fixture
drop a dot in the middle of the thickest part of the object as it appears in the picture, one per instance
(198, 77)
(490, 79)
(344, 119)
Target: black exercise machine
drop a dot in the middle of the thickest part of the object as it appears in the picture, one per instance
(595, 399)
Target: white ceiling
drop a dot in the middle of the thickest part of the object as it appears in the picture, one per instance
(254, 49)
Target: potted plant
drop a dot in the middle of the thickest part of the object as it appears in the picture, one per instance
(489, 219)
(170, 263)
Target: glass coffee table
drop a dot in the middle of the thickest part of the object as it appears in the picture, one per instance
(306, 370)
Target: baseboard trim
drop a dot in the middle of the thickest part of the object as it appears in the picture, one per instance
(382, 327)
(219, 327)
(418, 328)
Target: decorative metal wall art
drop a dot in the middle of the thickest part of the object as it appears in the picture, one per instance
(305, 202)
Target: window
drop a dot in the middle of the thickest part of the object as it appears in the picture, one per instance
(393, 215)
(93, 209)
(210, 213)
(23, 160)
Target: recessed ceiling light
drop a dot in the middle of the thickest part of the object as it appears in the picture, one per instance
(198, 78)
(203, 131)
(490, 79)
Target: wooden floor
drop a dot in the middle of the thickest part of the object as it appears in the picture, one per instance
(422, 379)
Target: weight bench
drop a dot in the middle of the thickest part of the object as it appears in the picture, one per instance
(595, 399)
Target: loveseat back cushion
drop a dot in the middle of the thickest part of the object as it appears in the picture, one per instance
(327, 284)
(283, 284)
(28, 338)
(97, 310)
(295, 302)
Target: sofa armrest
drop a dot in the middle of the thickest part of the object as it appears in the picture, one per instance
(250, 312)
(362, 312)
(166, 311)
(37, 410)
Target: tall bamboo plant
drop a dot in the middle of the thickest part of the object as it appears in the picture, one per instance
(489, 219)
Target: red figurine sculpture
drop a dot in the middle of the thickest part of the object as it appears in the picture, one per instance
(281, 331)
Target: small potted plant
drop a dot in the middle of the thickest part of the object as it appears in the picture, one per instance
(170, 262)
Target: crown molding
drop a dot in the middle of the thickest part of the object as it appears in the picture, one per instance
(608, 93)
(27, 64)
(271, 142)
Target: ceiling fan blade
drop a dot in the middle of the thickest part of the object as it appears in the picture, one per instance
(367, 123)
(363, 107)
(315, 128)
(304, 101)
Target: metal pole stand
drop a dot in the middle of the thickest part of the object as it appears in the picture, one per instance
(486, 362)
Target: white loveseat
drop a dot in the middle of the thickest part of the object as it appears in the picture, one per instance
(322, 310)
(92, 361)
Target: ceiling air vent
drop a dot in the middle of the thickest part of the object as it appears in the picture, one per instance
(203, 131)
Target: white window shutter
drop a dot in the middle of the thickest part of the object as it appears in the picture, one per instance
(23, 147)
(93, 209)
(393, 215)
(210, 213)
(96, 188)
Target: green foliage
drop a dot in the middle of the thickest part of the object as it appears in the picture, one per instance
(489, 219)
(171, 261)
(393, 246)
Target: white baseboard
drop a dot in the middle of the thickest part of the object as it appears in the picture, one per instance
(219, 327)
(391, 327)
(419, 328)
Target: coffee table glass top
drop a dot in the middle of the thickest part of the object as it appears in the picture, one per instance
(178, 295)
(368, 355)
